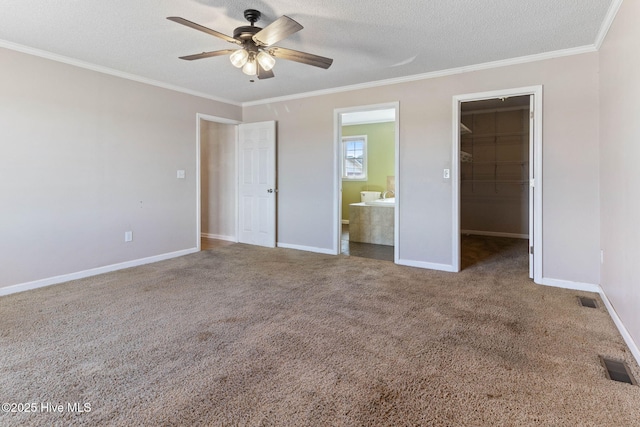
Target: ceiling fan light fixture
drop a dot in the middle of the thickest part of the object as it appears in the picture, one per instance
(256, 53)
(239, 58)
(266, 61)
(250, 68)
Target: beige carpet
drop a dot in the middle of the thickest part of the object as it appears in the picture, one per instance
(247, 336)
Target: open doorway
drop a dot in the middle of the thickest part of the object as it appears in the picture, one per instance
(494, 177)
(497, 174)
(367, 191)
(217, 208)
(236, 181)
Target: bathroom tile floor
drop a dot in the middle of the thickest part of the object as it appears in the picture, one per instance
(364, 250)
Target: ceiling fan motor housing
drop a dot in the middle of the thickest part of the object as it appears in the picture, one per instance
(252, 15)
(245, 33)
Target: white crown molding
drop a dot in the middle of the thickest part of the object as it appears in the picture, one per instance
(606, 24)
(431, 75)
(105, 70)
(423, 76)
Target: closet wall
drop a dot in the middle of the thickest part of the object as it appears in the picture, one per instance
(494, 193)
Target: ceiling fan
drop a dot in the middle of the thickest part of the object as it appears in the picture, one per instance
(256, 56)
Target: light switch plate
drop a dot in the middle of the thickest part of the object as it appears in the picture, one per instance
(180, 173)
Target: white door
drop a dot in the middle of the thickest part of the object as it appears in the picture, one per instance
(257, 179)
(531, 184)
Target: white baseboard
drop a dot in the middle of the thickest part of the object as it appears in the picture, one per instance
(495, 234)
(635, 351)
(91, 272)
(307, 248)
(590, 287)
(567, 284)
(427, 265)
(219, 237)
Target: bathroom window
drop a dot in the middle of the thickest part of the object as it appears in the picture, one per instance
(354, 158)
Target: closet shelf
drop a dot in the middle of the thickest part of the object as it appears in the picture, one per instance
(468, 145)
(493, 135)
(496, 181)
(499, 162)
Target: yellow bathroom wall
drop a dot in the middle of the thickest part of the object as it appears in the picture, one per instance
(381, 161)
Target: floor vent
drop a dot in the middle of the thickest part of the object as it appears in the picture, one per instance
(617, 371)
(588, 302)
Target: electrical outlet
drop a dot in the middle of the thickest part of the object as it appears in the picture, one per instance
(128, 236)
(446, 174)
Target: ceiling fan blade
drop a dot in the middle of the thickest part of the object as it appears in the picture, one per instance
(279, 29)
(208, 54)
(264, 74)
(302, 57)
(203, 29)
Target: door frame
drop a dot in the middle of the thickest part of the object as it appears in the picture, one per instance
(221, 120)
(536, 185)
(337, 172)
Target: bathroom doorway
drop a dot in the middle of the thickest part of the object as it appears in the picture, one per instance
(367, 141)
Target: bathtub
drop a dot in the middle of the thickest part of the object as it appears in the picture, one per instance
(372, 222)
(389, 202)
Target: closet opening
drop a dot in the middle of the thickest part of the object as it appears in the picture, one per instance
(495, 166)
(216, 189)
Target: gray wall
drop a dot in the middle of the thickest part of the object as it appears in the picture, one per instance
(570, 155)
(218, 179)
(85, 157)
(620, 173)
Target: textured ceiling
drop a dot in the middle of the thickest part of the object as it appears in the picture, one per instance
(369, 40)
